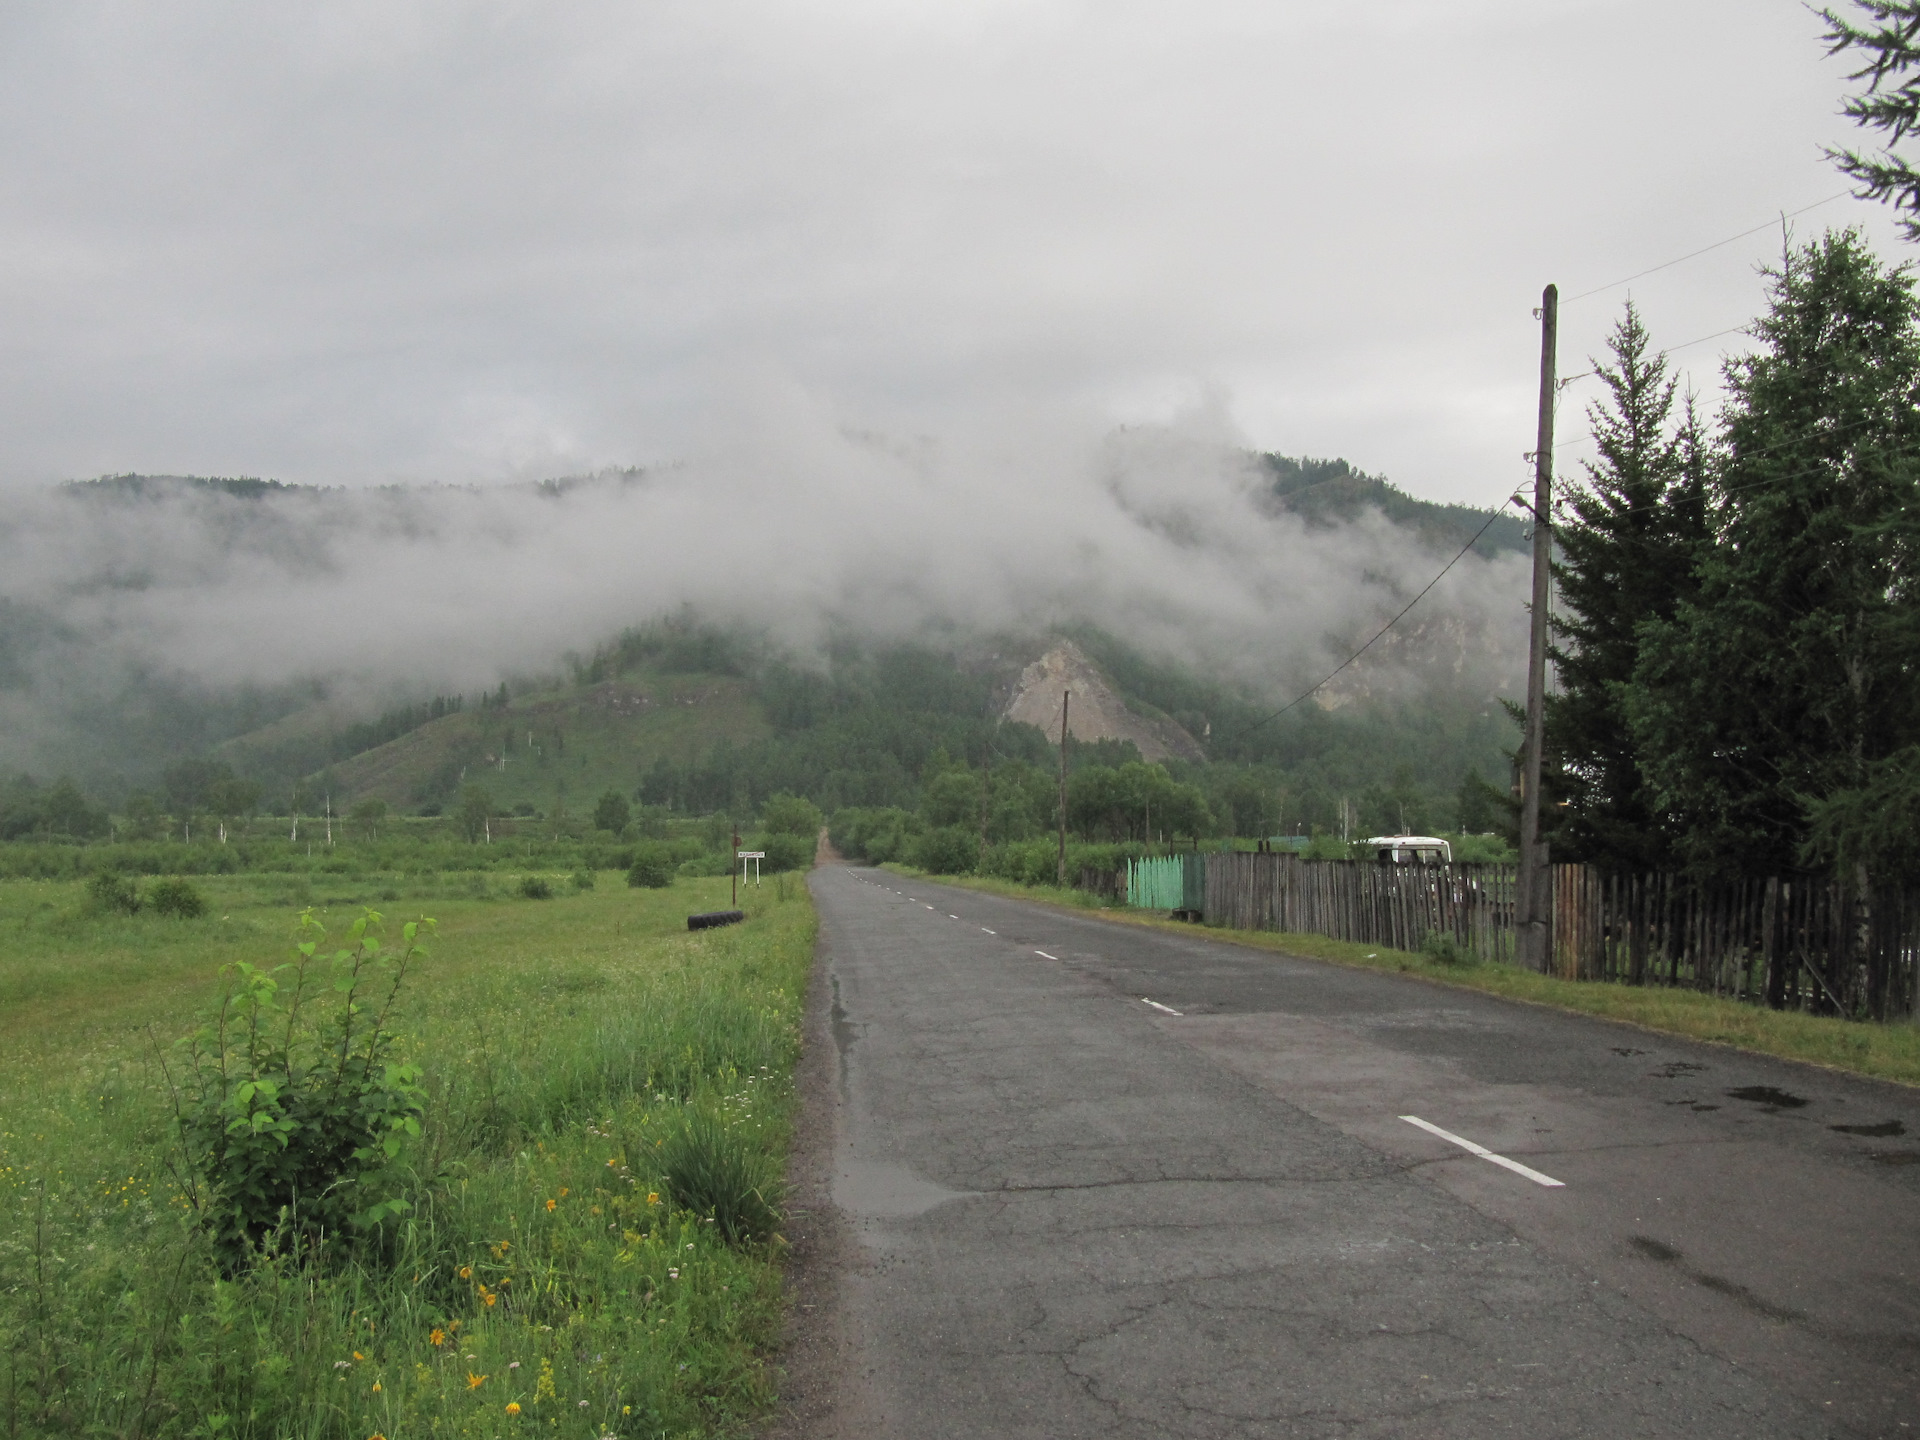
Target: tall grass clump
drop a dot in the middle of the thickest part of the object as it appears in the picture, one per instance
(585, 1233)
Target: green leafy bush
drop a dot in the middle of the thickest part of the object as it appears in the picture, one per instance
(721, 1175)
(652, 868)
(1443, 949)
(291, 1111)
(536, 887)
(114, 892)
(176, 897)
(787, 851)
(950, 850)
(583, 880)
(790, 815)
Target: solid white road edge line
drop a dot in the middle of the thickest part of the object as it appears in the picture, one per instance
(1158, 1006)
(1484, 1153)
(1044, 956)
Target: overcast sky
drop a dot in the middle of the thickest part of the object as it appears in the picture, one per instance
(360, 242)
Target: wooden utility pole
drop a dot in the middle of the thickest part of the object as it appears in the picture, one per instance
(986, 786)
(1065, 696)
(1533, 906)
(737, 866)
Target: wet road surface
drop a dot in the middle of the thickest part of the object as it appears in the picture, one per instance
(1100, 1180)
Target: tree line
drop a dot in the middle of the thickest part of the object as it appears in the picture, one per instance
(1736, 637)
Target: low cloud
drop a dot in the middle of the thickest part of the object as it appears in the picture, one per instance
(787, 520)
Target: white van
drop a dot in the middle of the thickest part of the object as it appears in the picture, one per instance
(1410, 850)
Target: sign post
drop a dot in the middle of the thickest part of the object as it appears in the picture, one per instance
(756, 856)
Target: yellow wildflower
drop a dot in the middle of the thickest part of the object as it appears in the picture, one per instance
(474, 1382)
(513, 1407)
(466, 1272)
(552, 1203)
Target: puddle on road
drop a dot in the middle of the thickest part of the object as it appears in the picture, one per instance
(1772, 1098)
(1674, 1069)
(1897, 1157)
(886, 1190)
(1627, 1050)
(1886, 1129)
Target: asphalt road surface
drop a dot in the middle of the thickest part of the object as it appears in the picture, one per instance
(1063, 1177)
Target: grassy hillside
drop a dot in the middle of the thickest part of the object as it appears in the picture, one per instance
(562, 748)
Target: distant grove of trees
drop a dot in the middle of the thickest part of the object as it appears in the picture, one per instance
(1738, 639)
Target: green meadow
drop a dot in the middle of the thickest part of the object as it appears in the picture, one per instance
(603, 1096)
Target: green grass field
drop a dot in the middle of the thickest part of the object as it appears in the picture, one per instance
(1885, 1052)
(544, 1280)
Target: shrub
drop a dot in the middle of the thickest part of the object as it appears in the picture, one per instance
(652, 868)
(716, 1173)
(611, 812)
(1443, 949)
(790, 815)
(788, 851)
(109, 891)
(950, 850)
(176, 897)
(292, 1114)
(536, 887)
(583, 880)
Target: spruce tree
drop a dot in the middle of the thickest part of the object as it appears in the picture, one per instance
(1890, 45)
(1792, 675)
(1627, 542)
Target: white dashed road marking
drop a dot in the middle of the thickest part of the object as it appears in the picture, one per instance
(1483, 1152)
(1158, 1006)
(1044, 956)
(990, 932)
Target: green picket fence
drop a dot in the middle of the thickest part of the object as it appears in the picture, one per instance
(1168, 882)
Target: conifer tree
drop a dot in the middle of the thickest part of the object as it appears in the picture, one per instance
(1627, 543)
(1793, 675)
(1890, 103)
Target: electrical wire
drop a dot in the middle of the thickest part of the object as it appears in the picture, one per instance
(1241, 734)
(1704, 249)
(1683, 345)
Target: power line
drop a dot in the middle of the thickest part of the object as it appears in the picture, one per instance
(1492, 516)
(1683, 345)
(1705, 249)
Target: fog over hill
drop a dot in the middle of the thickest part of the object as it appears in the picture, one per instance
(1178, 539)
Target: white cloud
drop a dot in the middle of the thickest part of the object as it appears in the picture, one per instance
(432, 241)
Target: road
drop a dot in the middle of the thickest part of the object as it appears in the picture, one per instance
(1064, 1177)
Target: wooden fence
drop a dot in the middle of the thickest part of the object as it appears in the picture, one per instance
(1391, 905)
(1797, 942)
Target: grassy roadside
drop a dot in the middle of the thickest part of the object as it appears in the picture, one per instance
(1884, 1052)
(547, 1280)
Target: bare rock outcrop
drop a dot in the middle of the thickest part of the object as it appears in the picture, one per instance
(1097, 711)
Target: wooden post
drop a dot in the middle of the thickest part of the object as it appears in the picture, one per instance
(986, 774)
(736, 867)
(1065, 696)
(1533, 903)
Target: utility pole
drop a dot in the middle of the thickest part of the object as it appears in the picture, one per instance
(738, 866)
(986, 786)
(1065, 696)
(1533, 906)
